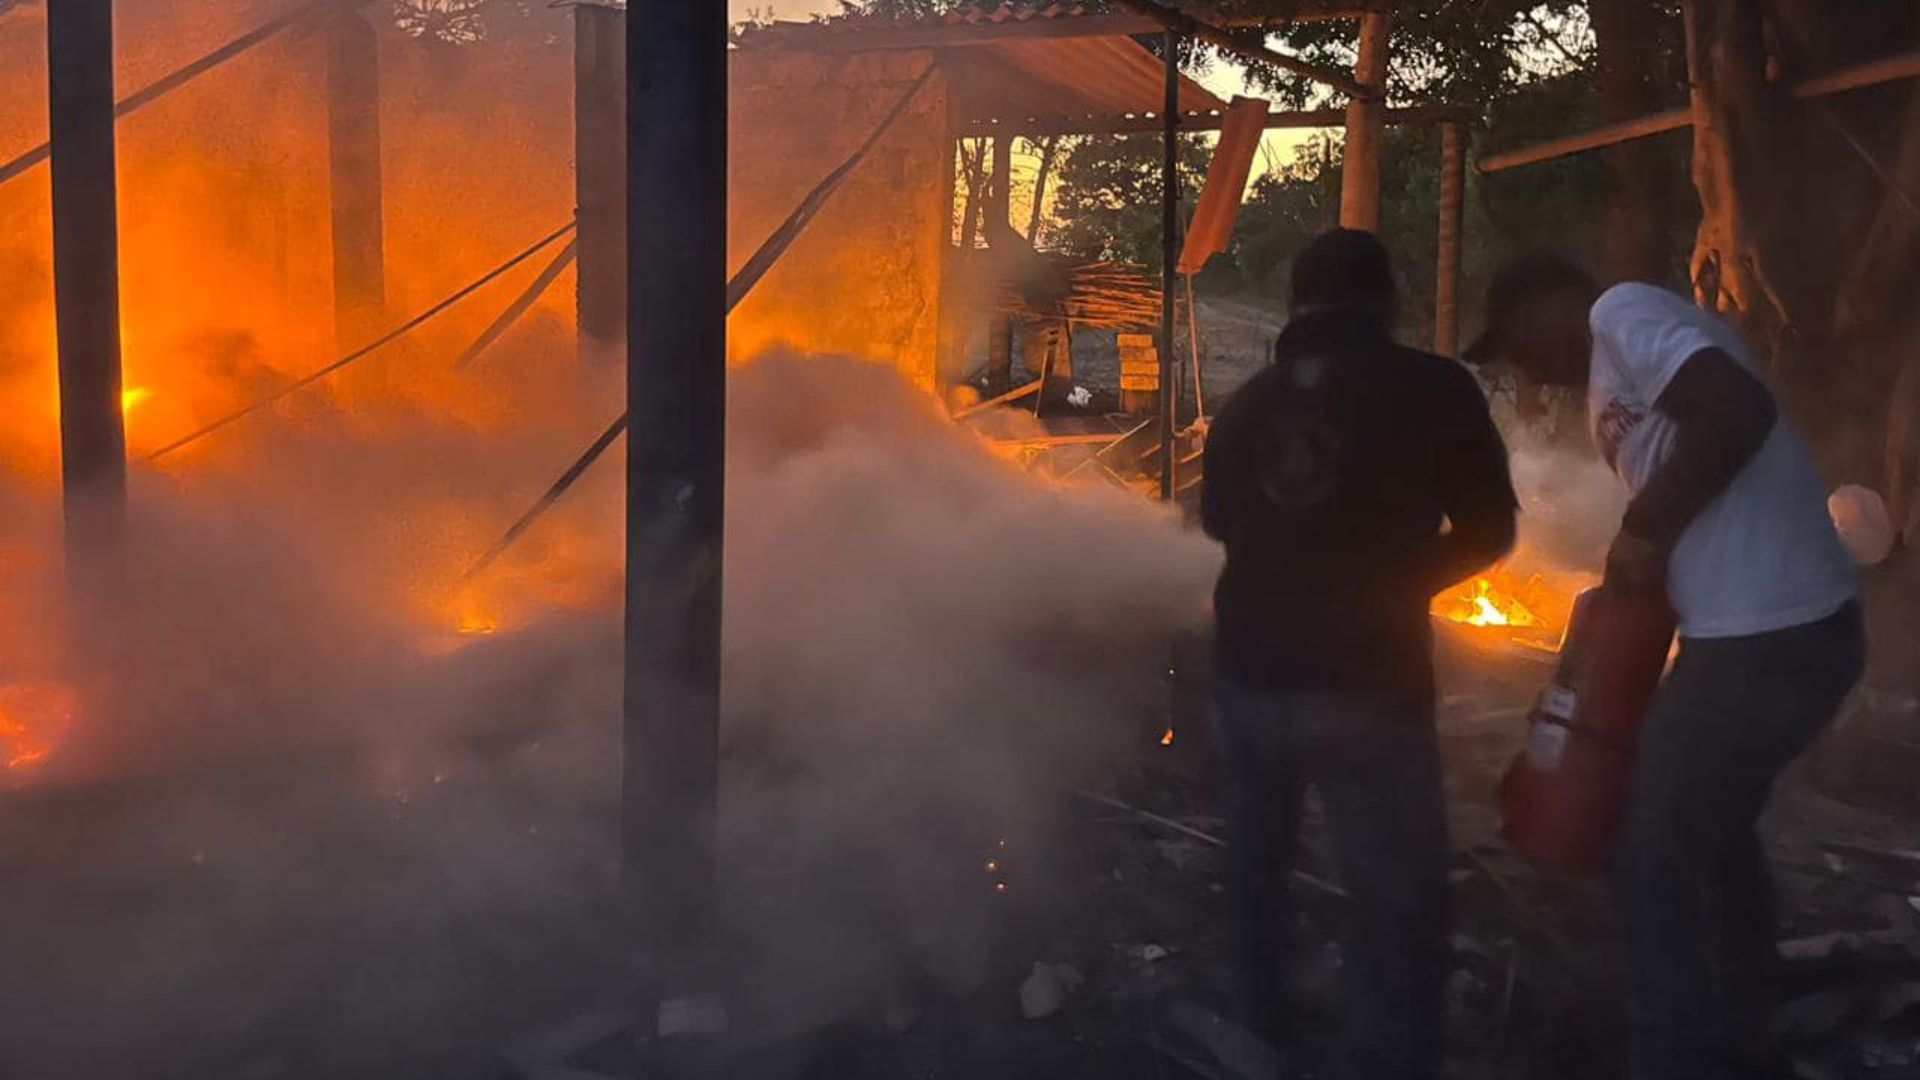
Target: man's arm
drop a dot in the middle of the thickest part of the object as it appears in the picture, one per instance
(1722, 416)
(1478, 493)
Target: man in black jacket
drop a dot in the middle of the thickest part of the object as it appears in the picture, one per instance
(1728, 518)
(1350, 482)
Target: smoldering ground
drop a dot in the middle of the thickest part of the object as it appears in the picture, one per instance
(297, 828)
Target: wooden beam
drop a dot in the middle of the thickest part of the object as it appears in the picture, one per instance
(676, 470)
(353, 159)
(1366, 124)
(1637, 128)
(86, 274)
(187, 73)
(811, 37)
(600, 172)
(1179, 22)
(1446, 288)
(1873, 73)
(1212, 121)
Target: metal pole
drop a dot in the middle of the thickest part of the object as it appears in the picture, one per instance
(999, 221)
(1169, 256)
(600, 170)
(86, 271)
(1366, 118)
(1446, 288)
(353, 143)
(676, 459)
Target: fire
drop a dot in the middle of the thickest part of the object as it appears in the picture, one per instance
(1483, 605)
(1530, 610)
(1167, 739)
(33, 717)
(132, 397)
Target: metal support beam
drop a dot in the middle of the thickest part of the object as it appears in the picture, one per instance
(1366, 128)
(1169, 258)
(86, 271)
(1446, 288)
(353, 148)
(600, 170)
(676, 462)
(999, 223)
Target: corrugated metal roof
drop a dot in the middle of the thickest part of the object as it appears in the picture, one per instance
(1049, 65)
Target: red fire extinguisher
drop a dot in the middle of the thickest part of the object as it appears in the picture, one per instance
(1563, 796)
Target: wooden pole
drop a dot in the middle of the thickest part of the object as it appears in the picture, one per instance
(1169, 258)
(353, 146)
(600, 171)
(999, 211)
(1366, 127)
(1446, 289)
(676, 461)
(86, 271)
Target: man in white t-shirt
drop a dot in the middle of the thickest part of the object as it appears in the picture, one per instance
(1728, 515)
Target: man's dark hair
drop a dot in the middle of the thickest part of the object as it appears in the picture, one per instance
(1520, 281)
(1344, 268)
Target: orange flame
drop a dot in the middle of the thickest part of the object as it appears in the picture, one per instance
(33, 717)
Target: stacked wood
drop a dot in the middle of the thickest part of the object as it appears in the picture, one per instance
(1107, 295)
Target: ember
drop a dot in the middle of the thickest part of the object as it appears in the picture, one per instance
(33, 717)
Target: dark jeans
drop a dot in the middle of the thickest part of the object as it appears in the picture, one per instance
(1691, 882)
(1376, 763)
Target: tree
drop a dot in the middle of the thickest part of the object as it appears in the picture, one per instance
(1107, 204)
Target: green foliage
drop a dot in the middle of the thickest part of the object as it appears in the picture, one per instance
(1107, 198)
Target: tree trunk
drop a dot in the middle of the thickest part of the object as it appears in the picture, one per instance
(1638, 221)
(1049, 151)
(1734, 114)
(974, 169)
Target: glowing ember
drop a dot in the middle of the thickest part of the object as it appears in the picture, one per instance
(474, 623)
(1167, 739)
(32, 719)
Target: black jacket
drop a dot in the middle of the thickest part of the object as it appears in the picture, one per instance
(1350, 482)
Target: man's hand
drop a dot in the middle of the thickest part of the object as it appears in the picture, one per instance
(1636, 564)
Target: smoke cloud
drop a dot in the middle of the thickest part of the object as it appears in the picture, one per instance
(300, 824)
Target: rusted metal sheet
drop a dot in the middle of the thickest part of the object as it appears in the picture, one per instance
(1212, 227)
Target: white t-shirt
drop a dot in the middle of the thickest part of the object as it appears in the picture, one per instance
(1761, 556)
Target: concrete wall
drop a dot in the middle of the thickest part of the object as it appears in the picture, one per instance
(865, 277)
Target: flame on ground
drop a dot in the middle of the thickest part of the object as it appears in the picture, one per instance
(1531, 610)
(33, 717)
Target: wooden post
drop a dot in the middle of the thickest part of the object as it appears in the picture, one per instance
(1169, 256)
(86, 271)
(676, 461)
(999, 211)
(1366, 120)
(1446, 288)
(353, 148)
(600, 171)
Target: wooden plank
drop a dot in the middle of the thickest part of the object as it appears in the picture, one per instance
(1859, 76)
(1211, 121)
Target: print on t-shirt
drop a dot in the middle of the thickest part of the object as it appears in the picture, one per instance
(1616, 422)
